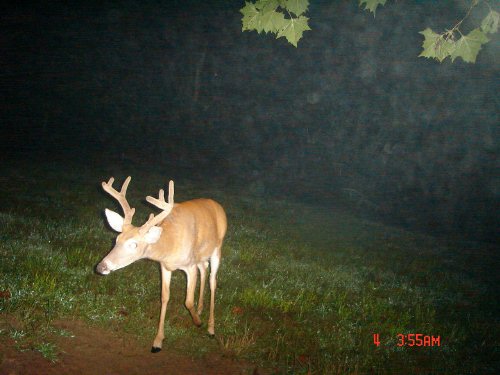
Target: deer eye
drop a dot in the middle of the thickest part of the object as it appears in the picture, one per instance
(131, 245)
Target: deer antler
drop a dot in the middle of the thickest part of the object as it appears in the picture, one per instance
(120, 197)
(160, 203)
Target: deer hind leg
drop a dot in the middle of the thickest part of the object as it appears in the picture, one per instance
(192, 274)
(214, 266)
(165, 295)
(203, 276)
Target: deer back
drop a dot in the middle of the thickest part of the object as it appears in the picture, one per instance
(191, 233)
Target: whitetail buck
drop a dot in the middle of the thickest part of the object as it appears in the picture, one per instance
(183, 236)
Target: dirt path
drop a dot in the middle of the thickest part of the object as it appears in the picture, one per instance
(96, 351)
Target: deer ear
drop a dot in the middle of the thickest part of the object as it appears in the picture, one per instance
(153, 235)
(115, 221)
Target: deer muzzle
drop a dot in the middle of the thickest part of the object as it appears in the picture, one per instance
(103, 268)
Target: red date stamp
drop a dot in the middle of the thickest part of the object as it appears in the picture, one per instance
(412, 339)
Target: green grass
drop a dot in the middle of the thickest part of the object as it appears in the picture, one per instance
(300, 288)
(48, 350)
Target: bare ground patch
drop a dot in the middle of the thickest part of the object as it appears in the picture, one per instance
(98, 351)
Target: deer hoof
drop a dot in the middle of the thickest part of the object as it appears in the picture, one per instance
(154, 349)
(197, 321)
(211, 335)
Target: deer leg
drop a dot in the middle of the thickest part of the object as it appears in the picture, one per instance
(214, 266)
(192, 274)
(165, 295)
(203, 276)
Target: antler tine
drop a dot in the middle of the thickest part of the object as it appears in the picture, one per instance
(162, 204)
(120, 197)
(125, 185)
(171, 192)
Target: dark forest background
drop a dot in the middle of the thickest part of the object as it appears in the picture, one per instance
(352, 117)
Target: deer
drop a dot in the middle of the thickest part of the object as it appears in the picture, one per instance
(184, 236)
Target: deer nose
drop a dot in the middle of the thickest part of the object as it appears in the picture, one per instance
(102, 268)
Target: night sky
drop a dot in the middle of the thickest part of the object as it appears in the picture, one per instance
(351, 118)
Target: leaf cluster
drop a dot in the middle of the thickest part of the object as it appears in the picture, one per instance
(440, 46)
(284, 18)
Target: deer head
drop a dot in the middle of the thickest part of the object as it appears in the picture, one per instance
(133, 242)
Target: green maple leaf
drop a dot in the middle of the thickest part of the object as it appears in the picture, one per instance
(293, 29)
(435, 46)
(490, 22)
(297, 6)
(273, 21)
(266, 5)
(372, 5)
(251, 17)
(468, 46)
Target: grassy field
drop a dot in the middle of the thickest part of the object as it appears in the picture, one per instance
(301, 289)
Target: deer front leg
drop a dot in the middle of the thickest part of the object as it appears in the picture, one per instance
(203, 276)
(165, 295)
(192, 273)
